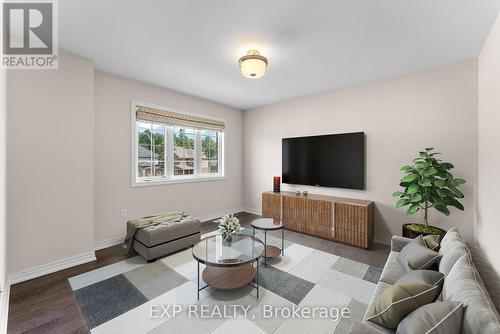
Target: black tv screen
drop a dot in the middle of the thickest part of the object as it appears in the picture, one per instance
(328, 161)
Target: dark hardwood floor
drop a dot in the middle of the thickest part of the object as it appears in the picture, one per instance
(47, 304)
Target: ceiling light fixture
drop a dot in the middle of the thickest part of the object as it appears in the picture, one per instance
(253, 65)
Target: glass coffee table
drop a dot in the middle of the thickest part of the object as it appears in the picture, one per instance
(269, 224)
(229, 264)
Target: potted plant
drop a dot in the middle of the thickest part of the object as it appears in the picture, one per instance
(229, 225)
(428, 183)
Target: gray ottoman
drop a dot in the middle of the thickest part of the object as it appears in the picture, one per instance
(165, 238)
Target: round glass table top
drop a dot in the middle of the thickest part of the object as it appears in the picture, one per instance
(215, 251)
(267, 224)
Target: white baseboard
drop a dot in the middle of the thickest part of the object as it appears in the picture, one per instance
(4, 307)
(254, 211)
(382, 239)
(212, 216)
(51, 267)
(108, 243)
(119, 240)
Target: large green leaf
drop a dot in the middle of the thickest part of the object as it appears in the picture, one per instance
(429, 149)
(440, 183)
(456, 192)
(407, 169)
(401, 202)
(436, 199)
(443, 209)
(412, 209)
(443, 192)
(425, 182)
(416, 198)
(455, 203)
(412, 189)
(458, 182)
(423, 165)
(430, 172)
(397, 194)
(447, 165)
(409, 178)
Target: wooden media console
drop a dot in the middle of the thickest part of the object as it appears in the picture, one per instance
(336, 218)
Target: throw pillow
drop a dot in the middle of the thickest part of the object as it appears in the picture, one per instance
(431, 277)
(415, 255)
(398, 301)
(451, 235)
(432, 241)
(435, 318)
(454, 251)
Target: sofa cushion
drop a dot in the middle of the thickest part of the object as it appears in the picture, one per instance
(398, 301)
(416, 255)
(392, 269)
(463, 284)
(451, 251)
(435, 318)
(431, 277)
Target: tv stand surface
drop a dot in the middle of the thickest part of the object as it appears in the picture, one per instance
(341, 219)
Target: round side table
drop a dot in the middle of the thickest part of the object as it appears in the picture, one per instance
(229, 265)
(269, 224)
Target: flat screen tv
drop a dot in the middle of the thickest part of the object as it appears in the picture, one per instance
(336, 160)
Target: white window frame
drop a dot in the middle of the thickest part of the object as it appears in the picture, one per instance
(169, 178)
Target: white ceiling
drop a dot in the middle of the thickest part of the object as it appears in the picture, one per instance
(313, 46)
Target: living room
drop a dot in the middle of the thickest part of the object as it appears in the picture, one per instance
(168, 160)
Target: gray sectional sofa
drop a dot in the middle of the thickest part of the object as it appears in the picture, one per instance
(462, 283)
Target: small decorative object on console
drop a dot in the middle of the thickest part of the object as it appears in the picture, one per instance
(228, 225)
(304, 192)
(276, 184)
(297, 193)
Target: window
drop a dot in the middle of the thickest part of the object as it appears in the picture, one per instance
(172, 147)
(150, 149)
(210, 152)
(183, 151)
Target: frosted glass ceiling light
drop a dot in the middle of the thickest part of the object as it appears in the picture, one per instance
(253, 65)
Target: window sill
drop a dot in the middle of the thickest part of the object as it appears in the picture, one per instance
(175, 181)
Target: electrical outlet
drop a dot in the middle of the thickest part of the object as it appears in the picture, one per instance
(123, 213)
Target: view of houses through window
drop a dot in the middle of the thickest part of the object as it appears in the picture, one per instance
(210, 152)
(164, 151)
(151, 149)
(183, 151)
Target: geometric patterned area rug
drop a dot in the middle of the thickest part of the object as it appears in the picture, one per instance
(306, 291)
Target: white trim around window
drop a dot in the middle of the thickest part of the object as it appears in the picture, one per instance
(169, 176)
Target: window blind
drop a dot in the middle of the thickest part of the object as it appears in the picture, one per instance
(173, 118)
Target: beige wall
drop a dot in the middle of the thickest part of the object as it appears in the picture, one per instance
(50, 163)
(400, 116)
(113, 192)
(488, 228)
